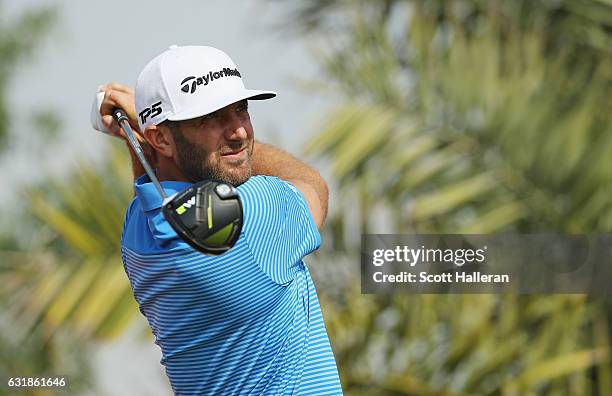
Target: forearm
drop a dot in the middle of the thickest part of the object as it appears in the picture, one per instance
(271, 161)
(137, 168)
(122, 97)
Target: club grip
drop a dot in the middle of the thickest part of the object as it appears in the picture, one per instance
(119, 115)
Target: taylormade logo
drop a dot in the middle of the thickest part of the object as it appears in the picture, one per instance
(189, 86)
(186, 205)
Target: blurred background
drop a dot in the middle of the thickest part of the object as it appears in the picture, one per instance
(464, 116)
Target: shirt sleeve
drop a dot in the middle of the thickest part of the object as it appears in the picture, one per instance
(157, 236)
(278, 226)
(128, 215)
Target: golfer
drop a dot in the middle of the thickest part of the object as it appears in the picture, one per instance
(247, 322)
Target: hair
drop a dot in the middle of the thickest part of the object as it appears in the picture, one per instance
(174, 127)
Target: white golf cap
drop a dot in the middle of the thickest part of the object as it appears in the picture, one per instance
(188, 82)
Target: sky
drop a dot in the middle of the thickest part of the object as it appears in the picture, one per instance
(95, 42)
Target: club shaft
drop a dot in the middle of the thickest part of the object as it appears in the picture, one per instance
(124, 124)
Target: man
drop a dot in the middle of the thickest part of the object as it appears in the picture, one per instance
(248, 321)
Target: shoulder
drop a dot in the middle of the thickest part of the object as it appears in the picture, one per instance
(270, 203)
(269, 195)
(131, 208)
(260, 183)
(148, 232)
(268, 186)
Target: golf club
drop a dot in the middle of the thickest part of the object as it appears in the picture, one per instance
(207, 215)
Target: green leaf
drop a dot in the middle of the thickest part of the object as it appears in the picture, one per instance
(451, 196)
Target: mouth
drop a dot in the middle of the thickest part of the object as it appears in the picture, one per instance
(235, 155)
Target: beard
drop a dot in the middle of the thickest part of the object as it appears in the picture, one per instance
(197, 165)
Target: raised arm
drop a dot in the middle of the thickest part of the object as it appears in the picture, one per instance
(271, 161)
(121, 96)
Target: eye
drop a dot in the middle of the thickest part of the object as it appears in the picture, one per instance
(210, 116)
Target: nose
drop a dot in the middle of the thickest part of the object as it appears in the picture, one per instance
(235, 128)
(237, 133)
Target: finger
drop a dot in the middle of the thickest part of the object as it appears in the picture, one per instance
(117, 87)
(109, 103)
(113, 99)
(123, 96)
(116, 130)
(118, 99)
(110, 125)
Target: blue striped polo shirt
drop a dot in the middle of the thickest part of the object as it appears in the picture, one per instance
(247, 322)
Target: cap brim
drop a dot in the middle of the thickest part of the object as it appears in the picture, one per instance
(221, 102)
(260, 95)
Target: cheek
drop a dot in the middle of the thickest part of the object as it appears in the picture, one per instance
(207, 147)
(249, 129)
(200, 155)
(210, 154)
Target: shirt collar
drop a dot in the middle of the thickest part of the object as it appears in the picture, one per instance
(148, 194)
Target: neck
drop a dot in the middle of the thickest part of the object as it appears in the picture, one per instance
(168, 171)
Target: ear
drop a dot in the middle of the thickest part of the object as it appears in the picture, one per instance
(160, 138)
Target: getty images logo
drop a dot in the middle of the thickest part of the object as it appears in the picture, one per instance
(189, 86)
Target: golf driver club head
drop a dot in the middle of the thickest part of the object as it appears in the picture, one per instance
(208, 216)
